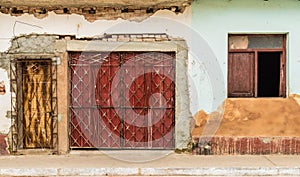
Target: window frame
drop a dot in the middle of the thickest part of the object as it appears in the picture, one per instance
(282, 50)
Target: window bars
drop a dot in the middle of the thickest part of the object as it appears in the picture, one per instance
(33, 104)
(114, 102)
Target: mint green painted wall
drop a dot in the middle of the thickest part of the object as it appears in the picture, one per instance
(214, 19)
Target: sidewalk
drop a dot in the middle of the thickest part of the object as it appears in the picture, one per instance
(146, 163)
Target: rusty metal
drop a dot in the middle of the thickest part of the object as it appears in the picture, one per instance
(110, 95)
(34, 104)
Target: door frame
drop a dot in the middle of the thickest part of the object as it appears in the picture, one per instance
(17, 144)
(283, 62)
(182, 115)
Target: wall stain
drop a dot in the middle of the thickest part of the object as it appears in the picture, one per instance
(254, 117)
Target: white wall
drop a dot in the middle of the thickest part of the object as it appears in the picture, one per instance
(4, 103)
(162, 22)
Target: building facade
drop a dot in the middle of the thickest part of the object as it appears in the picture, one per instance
(150, 75)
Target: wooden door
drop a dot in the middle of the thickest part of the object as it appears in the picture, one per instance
(36, 93)
(241, 74)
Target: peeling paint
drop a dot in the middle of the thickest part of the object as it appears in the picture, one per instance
(5, 98)
(99, 9)
(2, 88)
(3, 145)
(254, 117)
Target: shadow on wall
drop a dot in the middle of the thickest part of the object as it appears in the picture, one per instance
(2, 88)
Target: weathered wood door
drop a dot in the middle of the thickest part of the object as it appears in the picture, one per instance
(122, 100)
(241, 74)
(34, 104)
(35, 123)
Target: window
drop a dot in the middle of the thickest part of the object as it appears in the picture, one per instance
(256, 66)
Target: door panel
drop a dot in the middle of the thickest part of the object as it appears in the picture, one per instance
(132, 100)
(37, 107)
(282, 86)
(241, 74)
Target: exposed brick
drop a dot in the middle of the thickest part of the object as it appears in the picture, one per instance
(160, 39)
(123, 38)
(149, 39)
(138, 11)
(111, 39)
(59, 11)
(238, 146)
(25, 10)
(132, 37)
(101, 10)
(287, 146)
(298, 146)
(293, 146)
(3, 145)
(4, 10)
(115, 36)
(231, 146)
(90, 17)
(244, 146)
(266, 147)
(254, 145)
(73, 10)
(274, 149)
(136, 39)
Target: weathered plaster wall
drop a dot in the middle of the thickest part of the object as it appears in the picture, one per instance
(104, 3)
(53, 46)
(215, 19)
(254, 117)
(205, 27)
(161, 22)
(93, 10)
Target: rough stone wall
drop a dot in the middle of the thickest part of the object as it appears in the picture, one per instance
(33, 44)
(93, 10)
(133, 37)
(4, 61)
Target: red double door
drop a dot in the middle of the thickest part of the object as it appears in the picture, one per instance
(122, 100)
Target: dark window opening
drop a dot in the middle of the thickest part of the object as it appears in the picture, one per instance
(268, 74)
